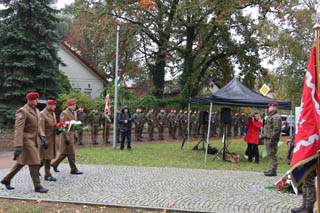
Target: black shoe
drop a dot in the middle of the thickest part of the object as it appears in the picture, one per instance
(7, 184)
(174, 138)
(270, 173)
(256, 162)
(41, 190)
(76, 172)
(129, 148)
(81, 144)
(55, 168)
(266, 171)
(121, 148)
(50, 178)
(298, 209)
(138, 139)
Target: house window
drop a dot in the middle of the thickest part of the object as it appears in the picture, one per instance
(87, 91)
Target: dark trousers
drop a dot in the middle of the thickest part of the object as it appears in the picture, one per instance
(124, 135)
(253, 152)
(71, 160)
(80, 134)
(47, 165)
(34, 173)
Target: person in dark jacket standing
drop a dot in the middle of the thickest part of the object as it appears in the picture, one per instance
(125, 120)
(252, 137)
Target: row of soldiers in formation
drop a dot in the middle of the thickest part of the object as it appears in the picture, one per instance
(176, 121)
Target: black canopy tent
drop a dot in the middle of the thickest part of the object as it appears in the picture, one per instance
(235, 94)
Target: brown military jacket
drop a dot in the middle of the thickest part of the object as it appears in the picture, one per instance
(47, 121)
(64, 148)
(26, 134)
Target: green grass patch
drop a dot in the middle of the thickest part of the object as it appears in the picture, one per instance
(170, 155)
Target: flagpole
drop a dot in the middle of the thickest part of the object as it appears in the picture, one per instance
(317, 29)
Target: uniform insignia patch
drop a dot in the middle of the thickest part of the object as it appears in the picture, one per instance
(19, 115)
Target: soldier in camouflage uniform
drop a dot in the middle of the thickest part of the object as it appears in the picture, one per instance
(271, 135)
(95, 124)
(235, 122)
(195, 123)
(151, 117)
(174, 122)
(243, 120)
(170, 124)
(106, 120)
(81, 116)
(137, 124)
(184, 122)
(308, 194)
(161, 118)
(179, 122)
(142, 119)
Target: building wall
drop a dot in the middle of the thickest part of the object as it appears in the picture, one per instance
(80, 77)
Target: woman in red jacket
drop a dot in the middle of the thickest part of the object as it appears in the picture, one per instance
(252, 137)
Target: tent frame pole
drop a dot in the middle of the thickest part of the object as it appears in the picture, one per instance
(289, 124)
(208, 134)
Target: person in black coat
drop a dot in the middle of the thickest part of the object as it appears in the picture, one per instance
(125, 120)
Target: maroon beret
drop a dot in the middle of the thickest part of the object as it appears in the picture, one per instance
(32, 95)
(71, 102)
(273, 104)
(51, 102)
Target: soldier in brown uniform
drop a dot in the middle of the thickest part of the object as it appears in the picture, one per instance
(67, 146)
(271, 135)
(161, 118)
(26, 142)
(47, 122)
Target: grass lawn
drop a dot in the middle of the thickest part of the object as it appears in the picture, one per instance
(170, 155)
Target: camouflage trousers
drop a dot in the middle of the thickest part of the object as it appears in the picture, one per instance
(137, 131)
(150, 130)
(235, 129)
(309, 190)
(272, 149)
(141, 130)
(194, 130)
(160, 130)
(94, 133)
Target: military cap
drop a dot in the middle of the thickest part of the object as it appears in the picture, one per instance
(51, 102)
(71, 101)
(32, 95)
(273, 104)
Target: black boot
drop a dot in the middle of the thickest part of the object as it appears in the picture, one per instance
(7, 184)
(298, 209)
(40, 189)
(55, 168)
(271, 173)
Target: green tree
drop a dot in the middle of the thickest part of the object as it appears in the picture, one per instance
(28, 53)
(287, 39)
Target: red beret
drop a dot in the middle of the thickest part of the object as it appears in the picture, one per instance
(32, 95)
(71, 102)
(51, 102)
(273, 104)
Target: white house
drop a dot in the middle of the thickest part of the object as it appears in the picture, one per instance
(81, 75)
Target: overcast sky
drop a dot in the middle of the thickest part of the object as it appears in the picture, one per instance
(61, 3)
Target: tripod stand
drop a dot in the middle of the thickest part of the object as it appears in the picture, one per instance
(224, 149)
(202, 141)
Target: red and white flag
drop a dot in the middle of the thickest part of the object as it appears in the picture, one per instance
(307, 134)
(107, 107)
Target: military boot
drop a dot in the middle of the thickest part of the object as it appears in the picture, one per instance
(298, 209)
(271, 173)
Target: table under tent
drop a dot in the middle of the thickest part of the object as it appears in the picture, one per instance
(234, 94)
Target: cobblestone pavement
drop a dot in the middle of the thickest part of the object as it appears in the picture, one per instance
(165, 188)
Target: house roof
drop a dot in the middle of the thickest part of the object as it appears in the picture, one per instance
(65, 46)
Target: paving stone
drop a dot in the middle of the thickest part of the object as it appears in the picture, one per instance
(167, 188)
